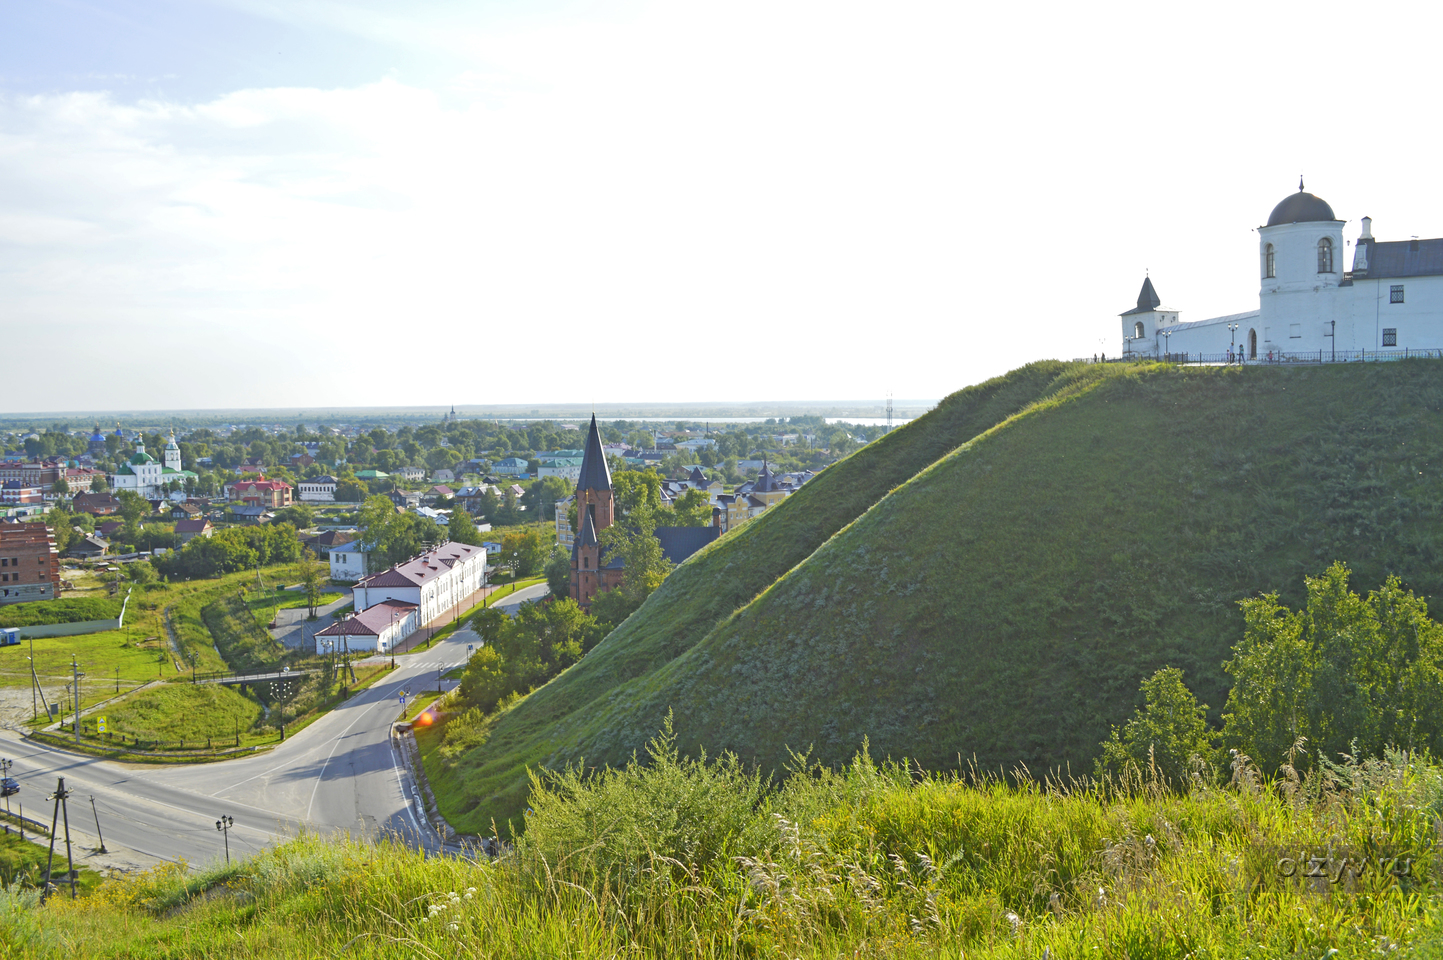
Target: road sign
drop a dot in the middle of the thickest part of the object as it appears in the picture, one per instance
(99, 724)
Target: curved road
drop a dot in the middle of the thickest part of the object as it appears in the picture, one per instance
(342, 773)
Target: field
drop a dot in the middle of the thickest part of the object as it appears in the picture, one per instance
(263, 604)
(684, 859)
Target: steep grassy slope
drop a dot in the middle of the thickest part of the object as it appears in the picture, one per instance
(726, 576)
(1005, 602)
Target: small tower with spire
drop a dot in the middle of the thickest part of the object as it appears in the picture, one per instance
(595, 511)
(1142, 324)
(172, 453)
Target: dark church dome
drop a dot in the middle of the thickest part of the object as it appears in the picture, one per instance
(1301, 208)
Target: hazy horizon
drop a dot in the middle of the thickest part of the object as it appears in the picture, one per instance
(242, 203)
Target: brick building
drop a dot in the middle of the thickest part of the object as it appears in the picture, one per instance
(29, 563)
(260, 493)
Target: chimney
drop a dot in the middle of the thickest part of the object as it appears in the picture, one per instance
(1367, 233)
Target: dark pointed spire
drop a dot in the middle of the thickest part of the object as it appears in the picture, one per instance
(1300, 183)
(587, 537)
(1148, 298)
(595, 474)
(764, 482)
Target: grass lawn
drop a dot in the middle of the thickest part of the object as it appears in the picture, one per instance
(100, 655)
(422, 700)
(184, 711)
(25, 861)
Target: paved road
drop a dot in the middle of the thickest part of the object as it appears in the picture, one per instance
(508, 603)
(339, 774)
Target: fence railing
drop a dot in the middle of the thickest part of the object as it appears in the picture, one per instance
(1325, 355)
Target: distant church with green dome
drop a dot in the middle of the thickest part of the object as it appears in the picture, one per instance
(145, 475)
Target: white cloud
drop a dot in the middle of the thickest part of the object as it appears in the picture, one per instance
(723, 201)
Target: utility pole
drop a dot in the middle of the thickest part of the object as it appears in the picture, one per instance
(34, 681)
(75, 671)
(60, 796)
(5, 766)
(97, 824)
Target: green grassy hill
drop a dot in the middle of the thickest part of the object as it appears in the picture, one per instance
(1004, 601)
(721, 579)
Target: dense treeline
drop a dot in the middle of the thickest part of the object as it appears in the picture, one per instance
(231, 550)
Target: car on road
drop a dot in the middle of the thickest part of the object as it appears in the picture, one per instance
(9, 787)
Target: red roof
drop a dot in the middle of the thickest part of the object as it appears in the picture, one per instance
(418, 570)
(370, 621)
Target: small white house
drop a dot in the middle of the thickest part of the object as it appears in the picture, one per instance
(349, 561)
(379, 627)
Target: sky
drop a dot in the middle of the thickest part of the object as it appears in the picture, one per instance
(255, 203)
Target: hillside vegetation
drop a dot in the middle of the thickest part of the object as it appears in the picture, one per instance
(686, 859)
(719, 580)
(68, 610)
(1002, 603)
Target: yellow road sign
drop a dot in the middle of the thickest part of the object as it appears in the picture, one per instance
(99, 724)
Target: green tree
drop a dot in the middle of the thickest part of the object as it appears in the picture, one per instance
(558, 573)
(1169, 733)
(298, 515)
(692, 509)
(644, 565)
(528, 548)
(462, 529)
(636, 490)
(60, 487)
(540, 498)
(313, 577)
(350, 490)
(1350, 674)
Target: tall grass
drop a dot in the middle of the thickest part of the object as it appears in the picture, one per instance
(681, 857)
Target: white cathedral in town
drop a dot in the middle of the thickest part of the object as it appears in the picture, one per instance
(1308, 305)
(148, 477)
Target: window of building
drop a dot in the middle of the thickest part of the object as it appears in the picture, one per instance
(1390, 336)
(1325, 255)
(1137, 330)
(1272, 263)
(1295, 331)
(1395, 293)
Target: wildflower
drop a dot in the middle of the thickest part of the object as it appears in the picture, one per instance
(1101, 897)
(1150, 841)
(1016, 922)
(453, 927)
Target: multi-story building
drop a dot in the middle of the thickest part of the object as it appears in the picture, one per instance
(434, 581)
(271, 494)
(15, 493)
(318, 490)
(564, 534)
(29, 563)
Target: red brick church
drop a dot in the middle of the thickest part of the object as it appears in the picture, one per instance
(595, 511)
(591, 571)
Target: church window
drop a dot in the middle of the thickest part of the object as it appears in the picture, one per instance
(586, 562)
(1390, 336)
(1295, 331)
(1272, 264)
(1395, 293)
(1325, 255)
(1137, 330)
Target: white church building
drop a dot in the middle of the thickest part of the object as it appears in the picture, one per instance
(144, 475)
(1309, 307)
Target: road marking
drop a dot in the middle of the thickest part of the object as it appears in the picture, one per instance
(360, 715)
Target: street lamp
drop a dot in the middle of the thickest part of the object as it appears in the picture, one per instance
(1167, 344)
(5, 766)
(223, 825)
(1232, 338)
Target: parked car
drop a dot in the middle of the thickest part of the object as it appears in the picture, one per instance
(9, 787)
